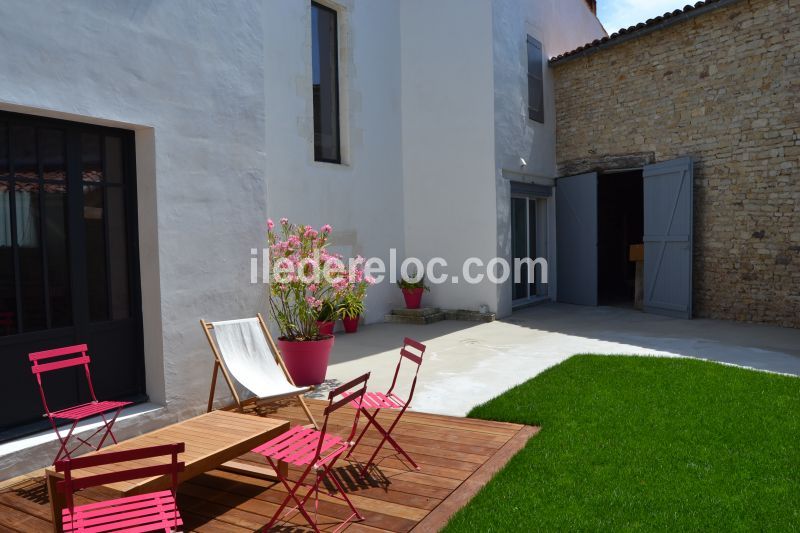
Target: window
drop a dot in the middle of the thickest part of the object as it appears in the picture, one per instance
(528, 241)
(325, 67)
(535, 83)
(68, 259)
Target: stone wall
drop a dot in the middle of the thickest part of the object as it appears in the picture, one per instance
(723, 87)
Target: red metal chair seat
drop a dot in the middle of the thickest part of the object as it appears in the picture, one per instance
(66, 358)
(298, 446)
(154, 511)
(79, 412)
(144, 512)
(390, 400)
(379, 400)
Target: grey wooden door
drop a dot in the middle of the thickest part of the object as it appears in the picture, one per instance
(668, 238)
(576, 239)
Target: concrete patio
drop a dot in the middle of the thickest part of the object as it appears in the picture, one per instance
(468, 363)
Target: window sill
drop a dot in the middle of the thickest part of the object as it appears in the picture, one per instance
(331, 165)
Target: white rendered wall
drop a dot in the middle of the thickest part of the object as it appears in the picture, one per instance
(190, 76)
(448, 140)
(560, 25)
(363, 197)
(220, 97)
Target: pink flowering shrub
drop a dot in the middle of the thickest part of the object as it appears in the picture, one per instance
(305, 279)
(353, 295)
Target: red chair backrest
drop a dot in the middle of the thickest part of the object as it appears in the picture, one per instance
(70, 484)
(356, 389)
(41, 365)
(407, 352)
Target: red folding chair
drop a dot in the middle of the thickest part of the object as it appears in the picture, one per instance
(41, 365)
(309, 448)
(154, 511)
(390, 400)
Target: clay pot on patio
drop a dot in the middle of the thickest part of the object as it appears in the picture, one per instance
(351, 324)
(326, 327)
(306, 361)
(413, 297)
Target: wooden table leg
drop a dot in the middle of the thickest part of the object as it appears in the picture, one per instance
(56, 498)
(251, 470)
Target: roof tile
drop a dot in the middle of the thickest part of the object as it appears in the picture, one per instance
(650, 23)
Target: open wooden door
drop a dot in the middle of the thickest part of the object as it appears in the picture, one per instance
(668, 238)
(576, 239)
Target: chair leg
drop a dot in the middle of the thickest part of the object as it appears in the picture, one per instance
(291, 495)
(326, 472)
(63, 451)
(366, 427)
(109, 425)
(387, 437)
(397, 447)
(342, 492)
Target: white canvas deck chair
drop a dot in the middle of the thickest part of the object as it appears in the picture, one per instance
(244, 350)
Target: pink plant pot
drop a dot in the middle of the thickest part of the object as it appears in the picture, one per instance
(326, 327)
(351, 324)
(413, 297)
(306, 361)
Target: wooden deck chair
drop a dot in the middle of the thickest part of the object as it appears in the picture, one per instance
(244, 350)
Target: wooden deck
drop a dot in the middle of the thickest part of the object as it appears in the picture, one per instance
(457, 456)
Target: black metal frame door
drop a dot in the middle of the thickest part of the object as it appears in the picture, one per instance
(84, 215)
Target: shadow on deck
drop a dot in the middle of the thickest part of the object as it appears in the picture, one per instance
(457, 457)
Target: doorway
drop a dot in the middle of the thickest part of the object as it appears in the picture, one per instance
(652, 206)
(620, 224)
(69, 266)
(528, 241)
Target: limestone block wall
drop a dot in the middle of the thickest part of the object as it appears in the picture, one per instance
(722, 87)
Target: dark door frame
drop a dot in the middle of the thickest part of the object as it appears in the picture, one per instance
(76, 245)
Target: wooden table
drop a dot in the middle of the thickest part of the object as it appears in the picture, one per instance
(212, 440)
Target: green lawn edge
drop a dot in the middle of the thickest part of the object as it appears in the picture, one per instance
(646, 443)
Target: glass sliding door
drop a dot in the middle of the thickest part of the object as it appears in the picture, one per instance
(68, 261)
(528, 240)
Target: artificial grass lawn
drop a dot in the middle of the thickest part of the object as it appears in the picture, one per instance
(642, 443)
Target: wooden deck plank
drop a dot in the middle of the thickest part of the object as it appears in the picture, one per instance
(457, 456)
(12, 519)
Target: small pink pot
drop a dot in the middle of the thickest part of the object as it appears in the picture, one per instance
(351, 324)
(413, 297)
(306, 361)
(326, 327)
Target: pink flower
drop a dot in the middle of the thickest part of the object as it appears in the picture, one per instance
(370, 280)
(313, 302)
(326, 228)
(312, 288)
(270, 223)
(284, 221)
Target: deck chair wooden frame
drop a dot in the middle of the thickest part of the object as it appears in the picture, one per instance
(219, 365)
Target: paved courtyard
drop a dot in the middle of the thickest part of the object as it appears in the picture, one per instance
(468, 363)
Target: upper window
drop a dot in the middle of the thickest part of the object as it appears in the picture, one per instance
(325, 66)
(535, 80)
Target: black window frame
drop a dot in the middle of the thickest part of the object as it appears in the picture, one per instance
(535, 78)
(101, 335)
(318, 150)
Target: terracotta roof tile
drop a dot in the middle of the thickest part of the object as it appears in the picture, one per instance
(653, 23)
